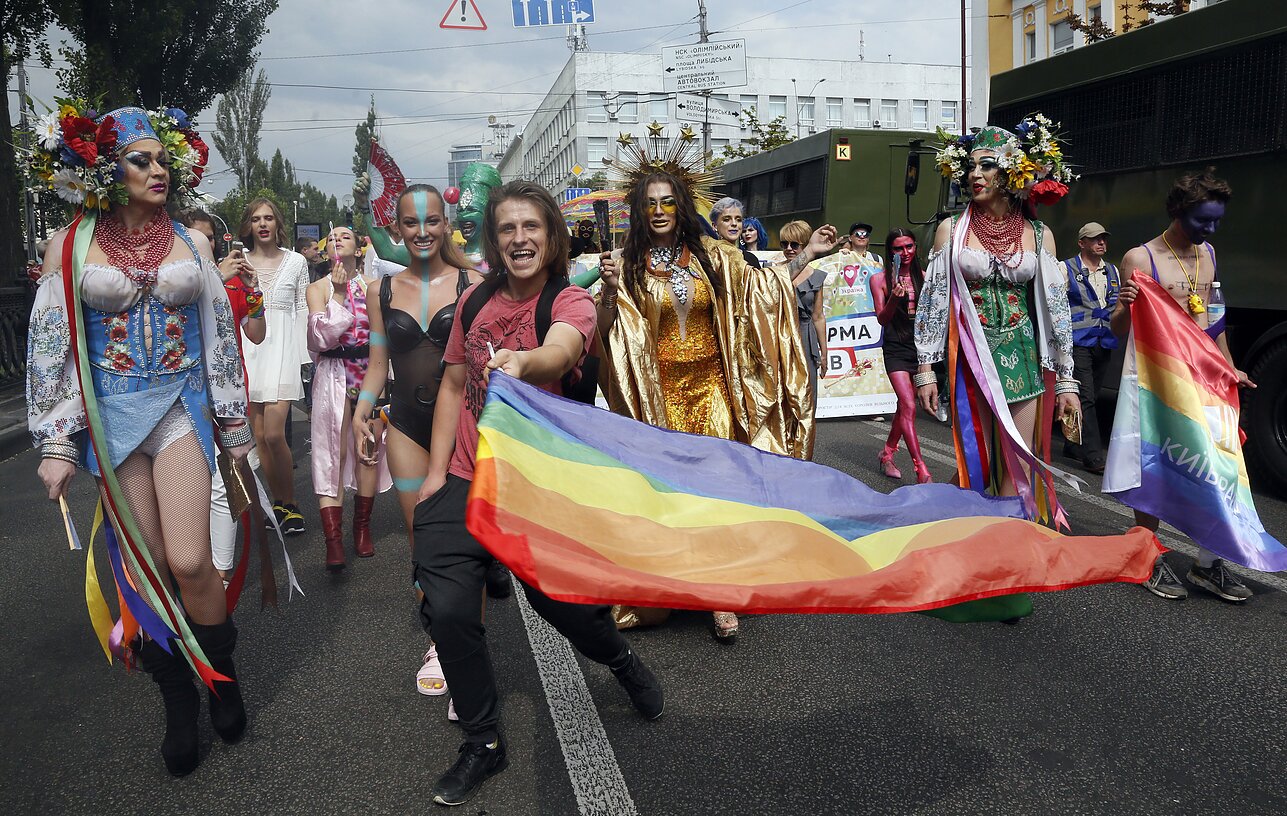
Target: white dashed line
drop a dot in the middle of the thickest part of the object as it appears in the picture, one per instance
(592, 765)
(939, 452)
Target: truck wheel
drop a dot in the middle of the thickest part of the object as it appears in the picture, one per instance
(1265, 420)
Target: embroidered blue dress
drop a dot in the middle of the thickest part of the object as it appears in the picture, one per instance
(153, 341)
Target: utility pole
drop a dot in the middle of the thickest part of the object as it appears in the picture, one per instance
(705, 36)
(964, 116)
(28, 213)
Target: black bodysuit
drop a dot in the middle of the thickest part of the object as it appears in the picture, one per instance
(416, 357)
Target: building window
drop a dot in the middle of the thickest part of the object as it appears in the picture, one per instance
(1030, 45)
(806, 111)
(658, 108)
(1061, 37)
(777, 107)
(594, 107)
(1095, 13)
(717, 146)
(948, 115)
(920, 114)
(835, 112)
(889, 113)
(629, 110)
(748, 102)
(595, 151)
(862, 113)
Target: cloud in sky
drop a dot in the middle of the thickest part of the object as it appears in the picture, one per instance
(463, 76)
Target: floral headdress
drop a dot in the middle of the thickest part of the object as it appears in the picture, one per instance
(76, 152)
(681, 157)
(1031, 157)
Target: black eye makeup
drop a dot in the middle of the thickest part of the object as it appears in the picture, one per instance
(143, 161)
(982, 164)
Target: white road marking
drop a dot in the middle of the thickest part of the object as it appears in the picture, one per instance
(940, 452)
(592, 765)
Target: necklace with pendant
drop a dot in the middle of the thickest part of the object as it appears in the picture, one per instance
(663, 259)
(1196, 305)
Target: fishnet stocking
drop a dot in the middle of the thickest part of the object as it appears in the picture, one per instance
(169, 497)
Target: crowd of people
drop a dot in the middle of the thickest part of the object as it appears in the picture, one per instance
(139, 374)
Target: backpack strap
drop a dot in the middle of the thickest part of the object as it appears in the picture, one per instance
(467, 310)
(462, 283)
(545, 305)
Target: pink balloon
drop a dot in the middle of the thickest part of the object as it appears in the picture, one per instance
(451, 195)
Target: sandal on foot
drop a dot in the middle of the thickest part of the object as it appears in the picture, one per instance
(725, 627)
(430, 680)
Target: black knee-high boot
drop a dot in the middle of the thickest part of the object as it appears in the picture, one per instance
(173, 677)
(227, 711)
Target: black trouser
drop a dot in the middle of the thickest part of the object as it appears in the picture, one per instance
(1090, 364)
(450, 565)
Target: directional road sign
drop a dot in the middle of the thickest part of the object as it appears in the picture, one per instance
(694, 108)
(703, 66)
(575, 192)
(530, 13)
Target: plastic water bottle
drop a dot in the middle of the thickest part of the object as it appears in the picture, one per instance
(1215, 306)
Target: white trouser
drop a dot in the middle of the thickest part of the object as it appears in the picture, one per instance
(223, 527)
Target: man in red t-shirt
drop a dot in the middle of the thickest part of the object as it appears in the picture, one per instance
(527, 245)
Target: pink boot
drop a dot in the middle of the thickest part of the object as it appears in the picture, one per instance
(887, 464)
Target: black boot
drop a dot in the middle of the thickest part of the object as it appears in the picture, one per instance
(227, 711)
(173, 677)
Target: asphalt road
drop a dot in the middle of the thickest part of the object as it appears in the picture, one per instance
(1106, 701)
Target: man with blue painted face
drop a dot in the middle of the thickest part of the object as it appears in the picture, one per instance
(1184, 263)
(1092, 293)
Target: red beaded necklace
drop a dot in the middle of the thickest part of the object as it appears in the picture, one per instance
(1004, 238)
(140, 250)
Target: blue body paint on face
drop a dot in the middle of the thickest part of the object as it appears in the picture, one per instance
(1200, 221)
(420, 199)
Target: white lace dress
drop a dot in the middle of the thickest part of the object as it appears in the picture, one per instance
(273, 366)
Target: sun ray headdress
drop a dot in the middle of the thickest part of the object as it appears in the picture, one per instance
(680, 156)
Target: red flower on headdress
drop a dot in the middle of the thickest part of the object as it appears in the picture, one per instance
(106, 135)
(79, 135)
(203, 154)
(1047, 192)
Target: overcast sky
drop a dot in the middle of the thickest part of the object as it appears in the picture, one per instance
(462, 76)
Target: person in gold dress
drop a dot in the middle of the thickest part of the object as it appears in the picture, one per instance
(697, 341)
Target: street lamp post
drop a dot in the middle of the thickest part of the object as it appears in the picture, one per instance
(799, 106)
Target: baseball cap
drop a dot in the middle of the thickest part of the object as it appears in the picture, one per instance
(1092, 230)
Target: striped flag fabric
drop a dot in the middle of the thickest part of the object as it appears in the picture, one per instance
(1176, 448)
(592, 507)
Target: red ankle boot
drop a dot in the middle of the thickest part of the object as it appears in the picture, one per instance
(362, 544)
(333, 530)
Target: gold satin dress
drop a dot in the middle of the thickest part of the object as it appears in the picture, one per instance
(689, 362)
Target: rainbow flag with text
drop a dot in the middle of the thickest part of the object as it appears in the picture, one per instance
(1176, 448)
(592, 507)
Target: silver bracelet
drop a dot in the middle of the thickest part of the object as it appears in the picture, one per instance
(236, 437)
(609, 299)
(60, 449)
(1067, 387)
(923, 378)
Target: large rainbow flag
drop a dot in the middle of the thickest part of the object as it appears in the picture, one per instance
(592, 507)
(1176, 448)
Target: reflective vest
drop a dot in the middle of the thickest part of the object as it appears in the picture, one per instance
(1089, 316)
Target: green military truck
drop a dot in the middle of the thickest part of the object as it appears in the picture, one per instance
(838, 176)
(1206, 88)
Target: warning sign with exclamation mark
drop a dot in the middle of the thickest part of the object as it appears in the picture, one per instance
(463, 14)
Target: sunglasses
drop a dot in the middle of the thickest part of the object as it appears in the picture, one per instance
(792, 245)
(861, 233)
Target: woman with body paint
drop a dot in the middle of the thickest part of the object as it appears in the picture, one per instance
(409, 331)
(338, 340)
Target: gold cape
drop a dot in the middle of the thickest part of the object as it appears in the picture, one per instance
(764, 362)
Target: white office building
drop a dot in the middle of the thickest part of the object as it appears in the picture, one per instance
(599, 96)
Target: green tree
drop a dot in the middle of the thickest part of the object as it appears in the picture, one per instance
(21, 23)
(764, 136)
(238, 120)
(364, 132)
(180, 53)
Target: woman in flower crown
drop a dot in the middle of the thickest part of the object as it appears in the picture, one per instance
(995, 308)
(133, 374)
(699, 341)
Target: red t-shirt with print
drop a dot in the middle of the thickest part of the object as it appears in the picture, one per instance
(505, 324)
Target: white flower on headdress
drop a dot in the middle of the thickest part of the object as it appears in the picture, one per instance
(49, 131)
(68, 186)
(1009, 153)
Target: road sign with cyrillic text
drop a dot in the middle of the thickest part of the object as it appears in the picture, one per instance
(703, 66)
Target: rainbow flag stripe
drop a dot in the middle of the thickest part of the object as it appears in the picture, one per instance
(1176, 449)
(591, 507)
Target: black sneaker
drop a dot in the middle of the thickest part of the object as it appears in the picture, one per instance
(499, 584)
(1217, 579)
(293, 521)
(279, 510)
(478, 762)
(642, 686)
(1164, 584)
